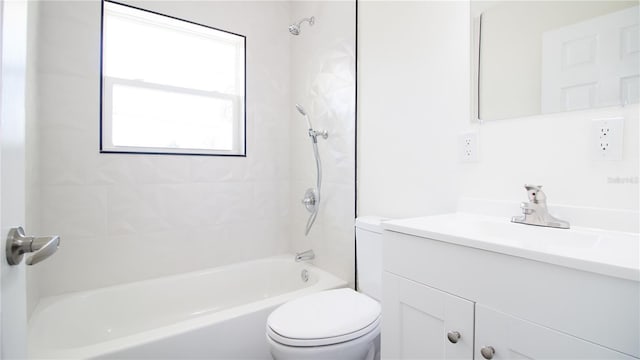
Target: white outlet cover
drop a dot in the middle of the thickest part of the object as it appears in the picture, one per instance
(606, 138)
(468, 148)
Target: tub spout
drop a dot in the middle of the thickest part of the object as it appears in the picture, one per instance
(305, 256)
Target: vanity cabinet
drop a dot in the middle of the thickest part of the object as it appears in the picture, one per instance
(421, 322)
(517, 307)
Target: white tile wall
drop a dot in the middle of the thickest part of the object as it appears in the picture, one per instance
(129, 217)
(323, 81)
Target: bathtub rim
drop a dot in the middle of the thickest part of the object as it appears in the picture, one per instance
(326, 281)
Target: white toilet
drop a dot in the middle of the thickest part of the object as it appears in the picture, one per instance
(339, 323)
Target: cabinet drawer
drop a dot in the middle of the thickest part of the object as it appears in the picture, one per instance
(417, 319)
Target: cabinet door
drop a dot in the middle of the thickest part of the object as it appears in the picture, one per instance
(514, 338)
(417, 319)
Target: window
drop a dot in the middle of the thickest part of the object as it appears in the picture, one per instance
(170, 86)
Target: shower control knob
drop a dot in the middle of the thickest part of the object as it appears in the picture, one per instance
(488, 352)
(453, 336)
(310, 200)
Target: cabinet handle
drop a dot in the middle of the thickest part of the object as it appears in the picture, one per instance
(453, 336)
(488, 352)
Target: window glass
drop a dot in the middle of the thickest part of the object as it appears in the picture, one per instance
(170, 86)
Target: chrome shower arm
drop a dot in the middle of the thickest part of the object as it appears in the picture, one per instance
(311, 20)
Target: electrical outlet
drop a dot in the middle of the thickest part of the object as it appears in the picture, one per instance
(607, 135)
(468, 147)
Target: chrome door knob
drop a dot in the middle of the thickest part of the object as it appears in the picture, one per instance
(453, 336)
(488, 352)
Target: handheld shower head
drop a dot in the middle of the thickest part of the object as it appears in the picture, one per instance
(294, 28)
(304, 113)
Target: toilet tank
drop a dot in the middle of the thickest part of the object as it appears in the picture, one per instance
(369, 255)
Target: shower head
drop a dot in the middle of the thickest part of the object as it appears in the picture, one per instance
(304, 113)
(294, 28)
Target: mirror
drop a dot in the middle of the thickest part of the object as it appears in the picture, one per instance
(540, 57)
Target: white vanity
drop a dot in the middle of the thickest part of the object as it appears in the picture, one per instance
(469, 286)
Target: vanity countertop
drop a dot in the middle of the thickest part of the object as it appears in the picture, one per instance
(605, 252)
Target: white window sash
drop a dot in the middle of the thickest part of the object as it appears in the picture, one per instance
(108, 84)
(167, 22)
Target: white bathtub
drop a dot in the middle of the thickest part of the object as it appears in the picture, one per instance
(218, 313)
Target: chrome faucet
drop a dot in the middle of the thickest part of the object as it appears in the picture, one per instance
(535, 211)
(305, 256)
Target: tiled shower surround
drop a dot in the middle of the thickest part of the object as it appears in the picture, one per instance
(323, 81)
(125, 217)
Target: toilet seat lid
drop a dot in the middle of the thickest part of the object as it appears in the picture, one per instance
(324, 318)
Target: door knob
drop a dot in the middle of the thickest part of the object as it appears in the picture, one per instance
(18, 244)
(453, 336)
(488, 352)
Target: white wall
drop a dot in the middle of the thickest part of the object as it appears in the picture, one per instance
(129, 217)
(413, 102)
(413, 94)
(323, 81)
(554, 151)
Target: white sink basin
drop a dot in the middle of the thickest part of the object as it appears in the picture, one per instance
(609, 253)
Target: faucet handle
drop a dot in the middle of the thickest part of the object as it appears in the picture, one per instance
(535, 193)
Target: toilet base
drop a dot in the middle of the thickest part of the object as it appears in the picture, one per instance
(366, 347)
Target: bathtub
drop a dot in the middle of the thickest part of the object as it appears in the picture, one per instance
(218, 313)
